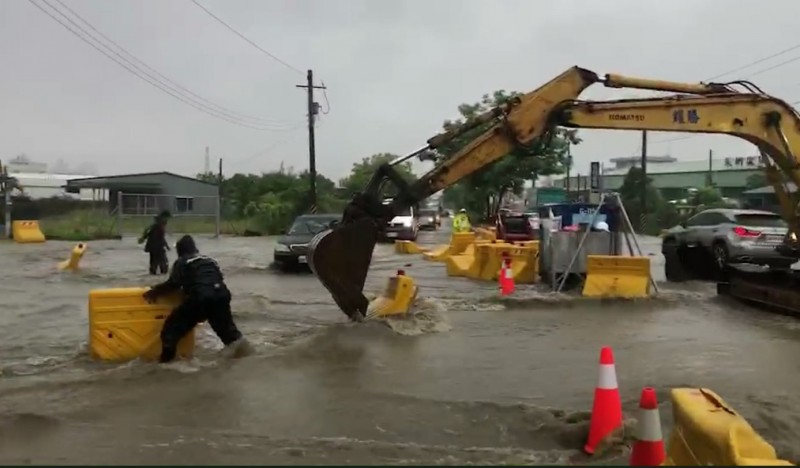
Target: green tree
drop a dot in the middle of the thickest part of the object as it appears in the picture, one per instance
(362, 172)
(658, 213)
(482, 192)
(755, 181)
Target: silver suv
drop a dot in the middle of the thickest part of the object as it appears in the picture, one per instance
(713, 238)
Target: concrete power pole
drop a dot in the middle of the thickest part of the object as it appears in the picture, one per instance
(207, 165)
(643, 213)
(313, 109)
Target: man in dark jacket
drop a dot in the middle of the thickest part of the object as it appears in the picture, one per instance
(155, 243)
(206, 298)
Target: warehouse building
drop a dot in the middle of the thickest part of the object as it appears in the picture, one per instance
(673, 178)
(152, 192)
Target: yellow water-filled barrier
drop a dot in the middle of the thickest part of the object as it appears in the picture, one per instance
(74, 260)
(485, 234)
(123, 326)
(407, 247)
(708, 432)
(617, 276)
(397, 298)
(27, 232)
(459, 242)
(525, 263)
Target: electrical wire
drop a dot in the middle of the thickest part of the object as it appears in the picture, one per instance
(290, 135)
(233, 30)
(130, 67)
(742, 67)
(177, 86)
(756, 62)
(327, 102)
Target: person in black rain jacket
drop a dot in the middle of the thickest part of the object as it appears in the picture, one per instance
(155, 243)
(206, 297)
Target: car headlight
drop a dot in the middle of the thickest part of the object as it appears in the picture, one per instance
(281, 248)
(793, 237)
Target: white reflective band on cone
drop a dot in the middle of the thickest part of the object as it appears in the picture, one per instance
(509, 274)
(649, 427)
(608, 377)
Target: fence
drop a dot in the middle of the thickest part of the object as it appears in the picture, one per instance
(191, 214)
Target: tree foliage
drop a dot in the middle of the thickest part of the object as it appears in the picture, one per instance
(481, 192)
(362, 172)
(271, 200)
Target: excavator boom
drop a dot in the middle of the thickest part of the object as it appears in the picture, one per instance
(340, 257)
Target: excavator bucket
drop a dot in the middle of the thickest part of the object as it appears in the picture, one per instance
(340, 258)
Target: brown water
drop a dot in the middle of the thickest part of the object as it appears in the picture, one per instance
(482, 380)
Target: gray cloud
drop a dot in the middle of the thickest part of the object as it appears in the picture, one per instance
(395, 71)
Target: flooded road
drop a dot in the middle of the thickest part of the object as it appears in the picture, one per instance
(487, 381)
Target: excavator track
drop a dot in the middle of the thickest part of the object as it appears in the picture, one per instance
(774, 289)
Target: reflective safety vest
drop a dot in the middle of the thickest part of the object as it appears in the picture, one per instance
(461, 223)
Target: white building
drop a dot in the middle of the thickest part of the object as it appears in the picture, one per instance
(36, 182)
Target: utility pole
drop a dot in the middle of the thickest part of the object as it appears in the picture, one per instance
(207, 164)
(313, 108)
(710, 175)
(218, 214)
(569, 166)
(643, 213)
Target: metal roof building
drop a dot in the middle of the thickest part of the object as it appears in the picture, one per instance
(152, 192)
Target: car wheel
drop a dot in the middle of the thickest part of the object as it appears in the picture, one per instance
(719, 252)
(674, 268)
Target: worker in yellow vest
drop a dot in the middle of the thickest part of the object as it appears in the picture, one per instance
(461, 222)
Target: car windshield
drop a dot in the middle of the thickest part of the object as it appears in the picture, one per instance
(516, 225)
(427, 213)
(310, 225)
(760, 220)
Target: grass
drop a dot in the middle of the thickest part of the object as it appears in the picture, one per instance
(85, 225)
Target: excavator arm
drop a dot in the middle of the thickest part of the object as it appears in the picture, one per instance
(769, 123)
(340, 257)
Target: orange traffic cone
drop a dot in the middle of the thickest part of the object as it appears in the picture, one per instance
(506, 277)
(607, 406)
(648, 450)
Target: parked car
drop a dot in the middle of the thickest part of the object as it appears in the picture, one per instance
(516, 228)
(708, 241)
(290, 251)
(404, 226)
(429, 219)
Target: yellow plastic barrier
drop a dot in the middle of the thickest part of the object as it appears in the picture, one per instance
(74, 260)
(397, 298)
(123, 326)
(707, 432)
(525, 263)
(26, 232)
(617, 276)
(485, 234)
(490, 267)
(458, 244)
(407, 247)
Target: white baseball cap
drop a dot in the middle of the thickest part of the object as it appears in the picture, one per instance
(601, 226)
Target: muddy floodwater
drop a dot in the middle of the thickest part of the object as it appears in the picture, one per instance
(475, 379)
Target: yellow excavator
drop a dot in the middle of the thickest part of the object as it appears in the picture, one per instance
(341, 257)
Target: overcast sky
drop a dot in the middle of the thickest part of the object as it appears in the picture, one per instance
(394, 71)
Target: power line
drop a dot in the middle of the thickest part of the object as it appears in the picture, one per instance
(177, 86)
(786, 62)
(756, 62)
(233, 30)
(130, 67)
(747, 65)
(290, 134)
